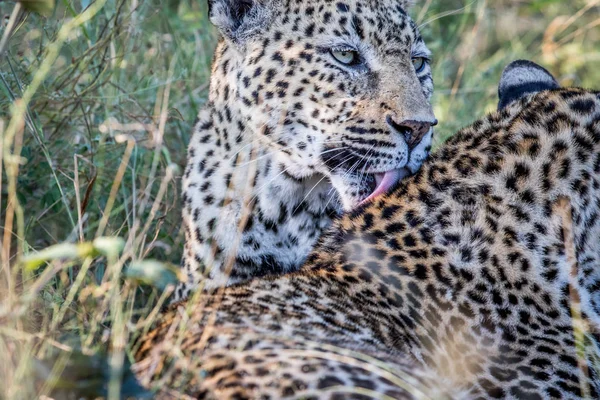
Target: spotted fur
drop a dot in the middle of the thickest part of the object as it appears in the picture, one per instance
(290, 136)
(476, 278)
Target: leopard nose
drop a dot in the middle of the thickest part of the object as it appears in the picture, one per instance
(412, 130)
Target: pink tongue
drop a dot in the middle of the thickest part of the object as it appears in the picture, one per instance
(385, 181)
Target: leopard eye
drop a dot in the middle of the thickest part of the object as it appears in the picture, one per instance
(419, 63)
(346, 57)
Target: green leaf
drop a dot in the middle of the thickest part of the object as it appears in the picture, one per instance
(106, 246)
(63, 251)
(153, 273)
(109, 246)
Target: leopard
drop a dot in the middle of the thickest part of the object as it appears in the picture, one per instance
(475, 278)
(314, 106)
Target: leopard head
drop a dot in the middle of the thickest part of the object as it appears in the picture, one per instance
(336, 88)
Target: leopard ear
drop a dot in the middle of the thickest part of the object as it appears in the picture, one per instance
(238, 20)
(521, 78)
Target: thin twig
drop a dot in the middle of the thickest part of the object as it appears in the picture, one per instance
(10, 26)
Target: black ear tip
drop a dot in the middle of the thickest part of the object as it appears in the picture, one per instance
(523, 77)
(523, 64)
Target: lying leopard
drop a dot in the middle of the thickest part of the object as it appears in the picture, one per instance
(476, 278)
(314, 106)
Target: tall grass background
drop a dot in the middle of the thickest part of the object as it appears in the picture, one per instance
(97, 104)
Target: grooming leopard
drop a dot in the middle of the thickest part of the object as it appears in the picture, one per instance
(314, 106)
(475, 278)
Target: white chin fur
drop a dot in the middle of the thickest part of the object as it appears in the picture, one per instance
(349, 190)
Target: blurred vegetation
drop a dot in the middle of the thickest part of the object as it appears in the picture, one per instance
(105, 135)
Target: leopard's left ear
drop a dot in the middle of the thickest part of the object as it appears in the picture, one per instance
(238, 20)
(521, 78)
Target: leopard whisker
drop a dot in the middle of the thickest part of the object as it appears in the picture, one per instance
(310, 191)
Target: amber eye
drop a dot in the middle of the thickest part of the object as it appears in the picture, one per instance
(419, 63)
(346, 57)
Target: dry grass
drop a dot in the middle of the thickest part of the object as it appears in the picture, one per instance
(97, 104)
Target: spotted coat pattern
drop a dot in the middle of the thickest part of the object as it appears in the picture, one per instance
(290, 136)
(477, 278)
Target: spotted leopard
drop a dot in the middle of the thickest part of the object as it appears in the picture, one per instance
(314, 106)
(476, 278)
